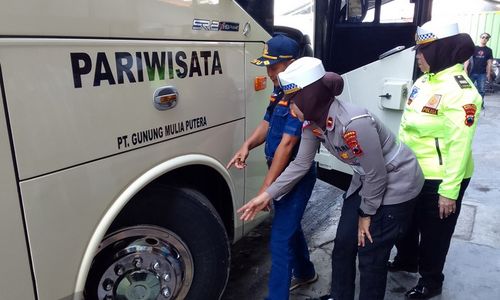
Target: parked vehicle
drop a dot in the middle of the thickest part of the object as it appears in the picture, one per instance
(118, 117)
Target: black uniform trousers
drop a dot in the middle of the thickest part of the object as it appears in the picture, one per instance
(429, 254)
(387, 225)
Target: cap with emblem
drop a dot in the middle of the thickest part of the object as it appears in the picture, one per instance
(279, 48)
(301, 73)
(433, 30)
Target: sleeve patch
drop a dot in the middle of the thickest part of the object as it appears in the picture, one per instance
(462, 82)
(413, 95)
(350, 138)
(470, 112)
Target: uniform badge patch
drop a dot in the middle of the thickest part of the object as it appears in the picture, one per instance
(470, 112)
(344, 155)
(462, 82)
(431, 106)
(329, 123)
(350, 138)
(413, 94)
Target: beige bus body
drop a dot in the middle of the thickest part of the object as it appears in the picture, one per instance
(81, 136)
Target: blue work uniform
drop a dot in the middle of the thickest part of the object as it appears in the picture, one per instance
(289, 250)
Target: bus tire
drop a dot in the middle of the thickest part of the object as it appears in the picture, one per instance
(179, 229)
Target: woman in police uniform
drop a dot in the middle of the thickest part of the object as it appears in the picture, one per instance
(438, 124)
(379, 201)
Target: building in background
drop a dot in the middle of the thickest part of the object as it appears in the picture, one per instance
(473, 16)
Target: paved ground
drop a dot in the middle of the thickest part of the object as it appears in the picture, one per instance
(473, 265)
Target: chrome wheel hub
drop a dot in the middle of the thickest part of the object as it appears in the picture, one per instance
(144, 263)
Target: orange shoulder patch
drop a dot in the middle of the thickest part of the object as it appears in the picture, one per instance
(470, 112)
(351, 139)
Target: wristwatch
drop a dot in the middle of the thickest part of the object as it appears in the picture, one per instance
(362, 214)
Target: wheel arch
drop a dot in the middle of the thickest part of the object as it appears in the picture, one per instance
(170, 172)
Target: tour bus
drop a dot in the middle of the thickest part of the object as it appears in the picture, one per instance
(117, 119)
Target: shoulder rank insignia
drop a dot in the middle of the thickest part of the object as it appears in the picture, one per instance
(314, 129)
(462, 82)
(431, 106)
(351, 140)
(470, 112)
(317, 132)
(283, 103)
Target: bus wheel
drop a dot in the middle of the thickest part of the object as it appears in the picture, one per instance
(170, 244)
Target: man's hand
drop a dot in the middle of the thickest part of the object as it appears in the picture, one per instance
(255, 205)
(239, 158)
(447, 206)
(364, 231)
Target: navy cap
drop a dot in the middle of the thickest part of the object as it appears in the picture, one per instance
(279, 48)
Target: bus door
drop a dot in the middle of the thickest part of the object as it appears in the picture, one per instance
(15, 272)
(370, 44)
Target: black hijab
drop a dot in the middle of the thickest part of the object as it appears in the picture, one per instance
(315, 99)
(444, 53)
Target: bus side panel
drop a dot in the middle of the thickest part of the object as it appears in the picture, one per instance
(77, 141)
(63, 209)
(16, 280)
(75, 101)
(150, 19)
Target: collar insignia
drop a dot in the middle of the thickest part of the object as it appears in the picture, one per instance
(329, 123)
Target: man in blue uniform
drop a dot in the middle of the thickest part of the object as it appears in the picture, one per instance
(281, 130)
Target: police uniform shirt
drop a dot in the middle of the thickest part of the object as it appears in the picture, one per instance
(438, 124)
(387, 171)
(280, 121)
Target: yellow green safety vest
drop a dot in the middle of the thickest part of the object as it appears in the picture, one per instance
(438, 124)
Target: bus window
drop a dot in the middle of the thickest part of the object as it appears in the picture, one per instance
(298, 14)
(396, 11)
(357, 11)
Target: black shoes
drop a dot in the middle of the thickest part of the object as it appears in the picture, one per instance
(422, 292)
(395, 266)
